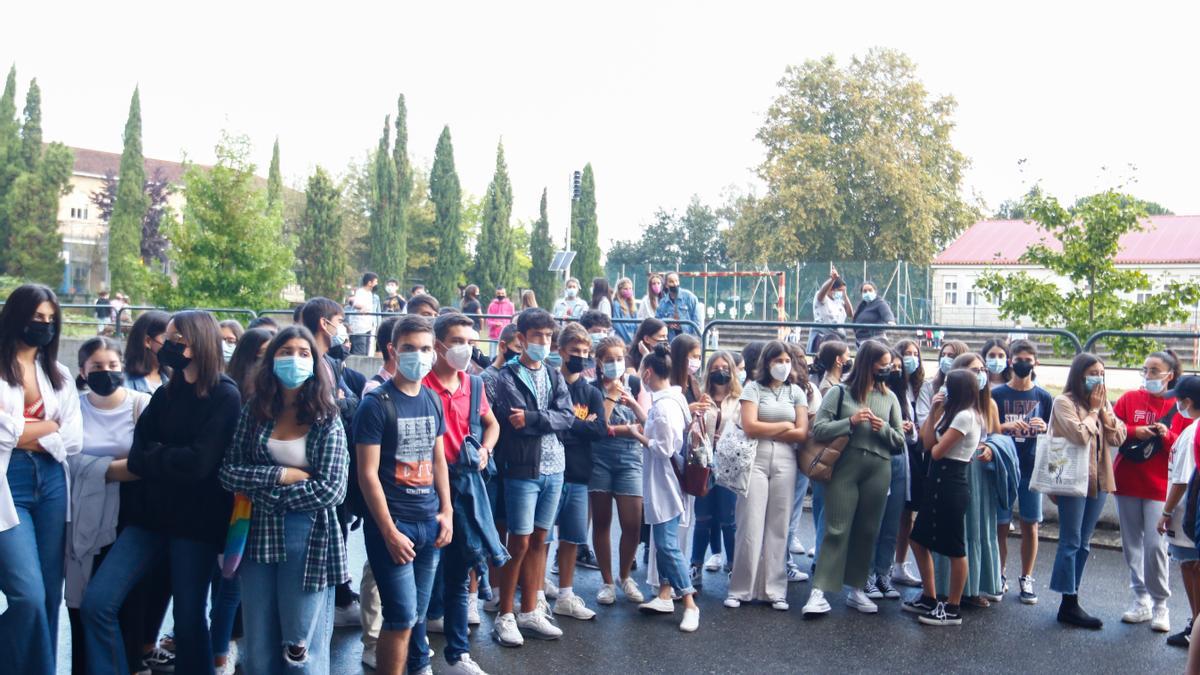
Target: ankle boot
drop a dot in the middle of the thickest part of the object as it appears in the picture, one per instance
(1069, 612)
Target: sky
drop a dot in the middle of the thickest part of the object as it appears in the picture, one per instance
(663, 98)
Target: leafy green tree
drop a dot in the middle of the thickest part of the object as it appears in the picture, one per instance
(1094, 296)
(384, 245)
(31, 127)
(1148, 207)
(585, 234)
(541, 253)
(404, 190)
(35, 244)
(126, 267)
(275, 180)
(324, 266)
(691, 239)
(494, 251)
(228, 252)
(859, 165)
(519, 236)
(446, 194)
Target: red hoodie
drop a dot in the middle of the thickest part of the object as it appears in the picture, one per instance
(1145, 480)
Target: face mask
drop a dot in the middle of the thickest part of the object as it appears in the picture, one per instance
(1154, 386)
(1092, 381)
(293, 371)
(459, 356)
(626, 293)
(742, 377)
(612, 369)
(895, 380)
(781, 371)
(501, 298)
(838, 295)
(340, 352)
(572, 292)
(1022, 368)
(105, 382)
(414, 366)
(911, 363)
(340, 336)
(509, 355)
(392, 290)
(945, 364)
(656, 288)
(673, 290)
(171, 356)
(597, 338)
(996, 365)
(577, 364)
(1183, 412)
(227, 351)
(38, 334)
(982, 379)
(883, 375)
(869, 296)
(693, 366)
(537, 352)
(720, 377)
(554, 360)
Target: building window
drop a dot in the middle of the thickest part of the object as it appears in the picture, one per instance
(951, 292)
(970, 298)
(1144, 296)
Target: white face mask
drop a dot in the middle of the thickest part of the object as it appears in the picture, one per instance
(459, 356)
(1184, 413)
(693, 366)
(781, 371)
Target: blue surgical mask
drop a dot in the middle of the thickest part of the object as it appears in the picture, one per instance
(554, 360)
(945, 364)
(1154, 386)
(996, 365)
(837, 295)
(911, 363)
(293, 371)
(597, 338)
(982, 379)
(1092, 381)
(414, 366)
(1183, 412)
(741, 377)
(536, 352)
(869, 296)
(612, 369)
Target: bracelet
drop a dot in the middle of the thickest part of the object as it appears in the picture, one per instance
(614, 400)
(1168, 516)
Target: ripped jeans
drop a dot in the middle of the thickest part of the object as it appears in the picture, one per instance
(288, 628)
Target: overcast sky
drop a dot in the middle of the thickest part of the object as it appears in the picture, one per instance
(663, 98)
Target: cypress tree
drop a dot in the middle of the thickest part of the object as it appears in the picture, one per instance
(404, 188)
(446, 195)
(10, 145)
(31, 128)
(125, 262)
(494, 255)
(275, 181)
(585, 233)
(382, 241)
(35, 248)
(325, 265)
(541, 253)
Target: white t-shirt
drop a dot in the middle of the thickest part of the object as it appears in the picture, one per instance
(968, 424)
(109, 433)
(289, 453)
(1182, 466)
(829, 310)
(364, 301)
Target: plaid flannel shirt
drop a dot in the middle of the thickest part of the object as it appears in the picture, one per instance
(251, 470)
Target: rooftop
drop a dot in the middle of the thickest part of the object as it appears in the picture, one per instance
(99, 163)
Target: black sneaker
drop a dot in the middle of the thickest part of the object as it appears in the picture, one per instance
(923, 604)
(942, 615)
(1028, 597)
(1182, 638)
(585, 558)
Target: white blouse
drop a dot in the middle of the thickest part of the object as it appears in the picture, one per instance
(665, 426)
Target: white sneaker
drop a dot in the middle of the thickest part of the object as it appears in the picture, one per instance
(550, 589)
(1138, 613)
(732, 602)
(506, 631)
(657, 606)
(538, 625)
(368, 657)
(906, 575)
(859, 600)
(607, 594)
(231, 660)
(1160, 620)
(780, 605)
(630, 588)
(795, 547)
(435, 625)
(492, 606)
(714, 564)
(816, 605)
(574, 607)
(427, 670)
(543, 607)
(691, 620)
(350, 615)
(473, 610)
(465, 666)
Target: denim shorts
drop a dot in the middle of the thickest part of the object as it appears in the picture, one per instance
(616, 467)
(530, 503)
(573, 514)
(1183, 553)
(403, 589)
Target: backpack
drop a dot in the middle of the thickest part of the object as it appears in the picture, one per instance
(1189, 524)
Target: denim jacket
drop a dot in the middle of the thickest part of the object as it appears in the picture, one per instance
(474, 528)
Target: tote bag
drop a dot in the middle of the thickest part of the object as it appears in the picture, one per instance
(1060, 467)
(733, 458)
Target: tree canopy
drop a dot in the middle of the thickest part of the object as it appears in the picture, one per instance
(693, 238)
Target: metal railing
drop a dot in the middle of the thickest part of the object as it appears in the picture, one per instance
(1100, 335)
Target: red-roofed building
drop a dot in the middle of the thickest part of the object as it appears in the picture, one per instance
(1167, 248)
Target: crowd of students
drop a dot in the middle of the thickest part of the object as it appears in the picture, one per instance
(219, 470)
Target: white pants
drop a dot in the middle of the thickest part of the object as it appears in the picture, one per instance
(1145, 549)
(372, 609)
(763, 514)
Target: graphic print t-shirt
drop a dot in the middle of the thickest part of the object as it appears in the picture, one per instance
(406, 470)
(1023, 405)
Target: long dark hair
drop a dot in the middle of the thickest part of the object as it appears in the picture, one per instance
(140, 360)
(648, 326)
(800, 370)
(203, 336)
(959, 347)
(1002, 344)
(600, 290)
(862, 375)
(1076, 386)
(750, 355)
(658, 362)
(901, 391)
(245, 359)
(962, 393)
(985, 394)
(18, 312)
(90, 347)
(681, 347)
(1171, 359)
(917, 378)
(770, 351)
(827, 355)
(314, 400)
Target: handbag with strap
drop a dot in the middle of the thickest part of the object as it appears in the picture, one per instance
(1060, 467)
(1136, 451)
(733, 457)
(817, 458)
(696, 467)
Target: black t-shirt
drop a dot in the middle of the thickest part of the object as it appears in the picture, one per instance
(1013, 405)
(405, 471)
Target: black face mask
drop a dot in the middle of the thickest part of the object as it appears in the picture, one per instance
(720, 377)
(578, 364)
(339, 353)
(895, 380)
(883, 375)
(171, 356)
(673, 290)
(105, 382)
(1022, 368)
(38, 334)
(501, 298)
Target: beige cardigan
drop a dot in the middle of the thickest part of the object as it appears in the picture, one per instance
(1078, 425)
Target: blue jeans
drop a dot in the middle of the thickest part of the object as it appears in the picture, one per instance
(1077, 518)
(135, 553)
(572, 516)
(403, 589)
(714, 523)
(889, 528)
(448, 601)
(532, 502)
(31, 563)
(671, 565)
(226, 599)
(279, 612)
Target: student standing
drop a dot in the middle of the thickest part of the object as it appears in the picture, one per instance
(1171, 523)
(39, 428)
(918, 460)
(289, 457)
(142, 370)
(570, 305)
(715, 521)
(648, 307)
(402, 473)
(625, 310)
(602, 296)
(998, 361)
(879, 585)
(178, 511)
(650, 333)
(501, 310)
